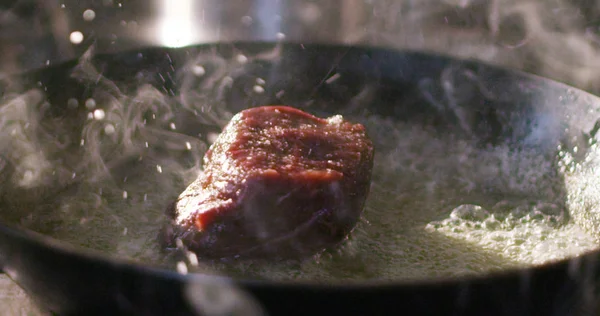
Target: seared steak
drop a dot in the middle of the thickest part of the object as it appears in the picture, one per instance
(278, 182)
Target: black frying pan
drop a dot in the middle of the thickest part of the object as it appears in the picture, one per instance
(480, 104)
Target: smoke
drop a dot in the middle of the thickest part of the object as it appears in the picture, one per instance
(99, 174)
(99, 170)
(556, 38)
(120, 153)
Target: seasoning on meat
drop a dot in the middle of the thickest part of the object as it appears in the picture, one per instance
(277, 183)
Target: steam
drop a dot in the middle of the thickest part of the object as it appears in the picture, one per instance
(126, 154)
(551, 38)
(18, 118)
(107, 165)
(118, 165)
(100, 171)
(222, 73)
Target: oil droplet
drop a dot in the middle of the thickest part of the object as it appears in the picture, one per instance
(333, 78)
(89, 15)
(212, 137)
(258, 89)
(198, 70)
(193, 259)
(90, 104)
(109, 129)
(242, 59)
(72, 103)
(76, 37)
(99, 114)
(181, 267)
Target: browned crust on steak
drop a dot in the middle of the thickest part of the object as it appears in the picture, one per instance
(277, 182)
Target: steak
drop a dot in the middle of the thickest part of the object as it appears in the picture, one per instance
(277, 183)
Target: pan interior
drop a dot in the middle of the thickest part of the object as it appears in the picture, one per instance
(476, 169)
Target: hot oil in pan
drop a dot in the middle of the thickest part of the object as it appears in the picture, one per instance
(438, 205)
(409, 229)
(428, 216)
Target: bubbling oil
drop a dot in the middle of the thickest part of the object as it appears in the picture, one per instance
(440, 206)
(419, 224)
